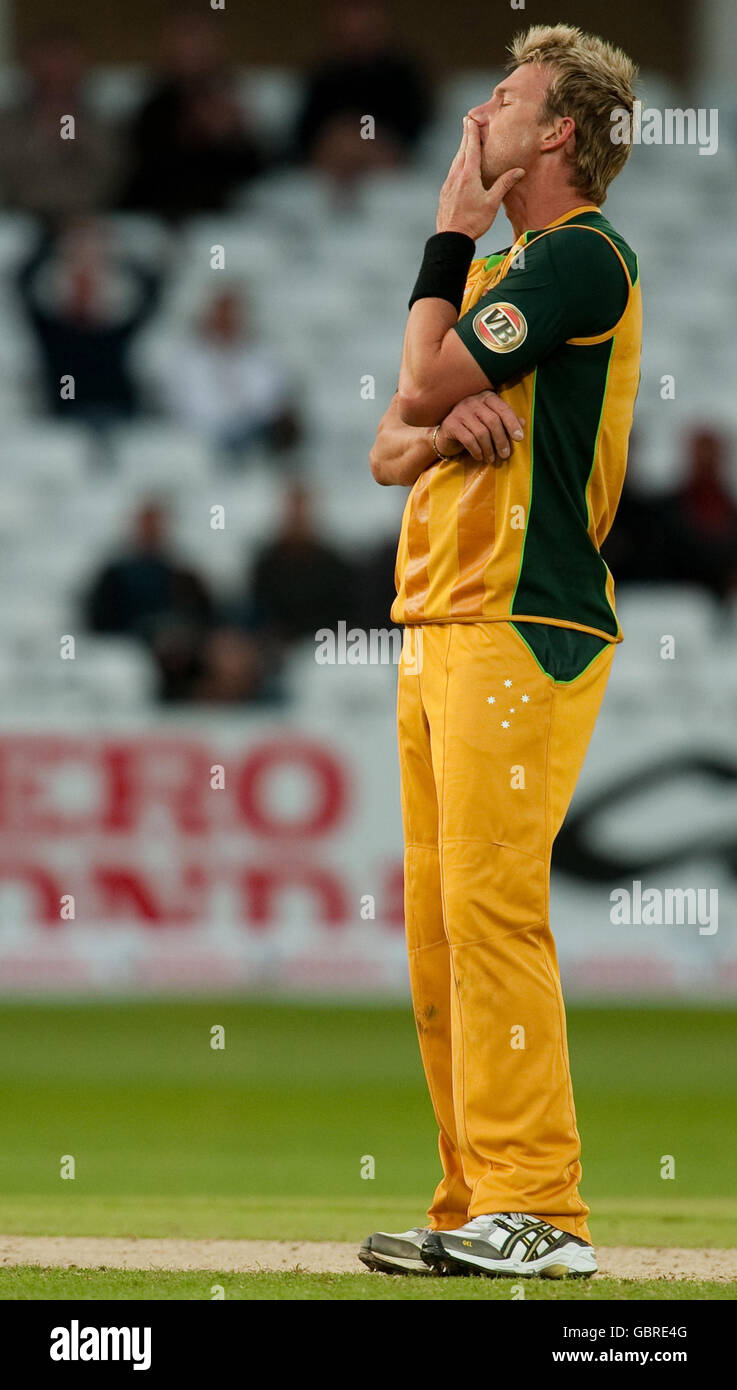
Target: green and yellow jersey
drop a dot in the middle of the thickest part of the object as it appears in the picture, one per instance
(556, 322)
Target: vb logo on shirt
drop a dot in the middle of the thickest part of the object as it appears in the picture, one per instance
(500, 327)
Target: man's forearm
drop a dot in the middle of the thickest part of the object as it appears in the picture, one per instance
(428, 323)
(428, 386)
(481, 426)
(401, 452)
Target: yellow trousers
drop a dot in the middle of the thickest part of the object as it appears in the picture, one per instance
(491, 746)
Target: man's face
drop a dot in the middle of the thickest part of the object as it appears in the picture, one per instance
(510, 122)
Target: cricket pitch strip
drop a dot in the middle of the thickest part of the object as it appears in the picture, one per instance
(317, 1257)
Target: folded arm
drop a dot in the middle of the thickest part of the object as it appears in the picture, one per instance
(437, 370)
(568, 284)
(481, 425)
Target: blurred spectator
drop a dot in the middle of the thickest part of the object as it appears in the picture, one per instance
(39, 171)
(86, 304)
(700, 518)
(190, 143)
(686, 536)
(146, 592)
(232, 669)
(377, 587)
(633, 550)
(365, 74)
(224, 385)
(301, 583)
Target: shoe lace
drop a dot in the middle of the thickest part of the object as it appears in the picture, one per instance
(484, 1222)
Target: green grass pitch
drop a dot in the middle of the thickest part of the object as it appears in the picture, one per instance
(266, 1138)
(31, 1282)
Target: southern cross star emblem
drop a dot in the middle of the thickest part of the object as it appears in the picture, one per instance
(491, 700)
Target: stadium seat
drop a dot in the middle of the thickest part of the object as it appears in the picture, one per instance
(116, 92)
(55, 454)
(145, 239)
(115, 673)
(51, 559)
(404, 201)
(99, 511)
(20, 506)
(35, 621)
(649, 613)
(248, 252)
(12, 84)
(159, 455)
(271, 98)
(299, 202)
(253, 503)
(331, 690)
(17, 232)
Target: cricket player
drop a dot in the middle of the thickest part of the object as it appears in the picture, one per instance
(511, 422)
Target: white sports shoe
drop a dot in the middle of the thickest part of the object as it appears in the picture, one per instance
(396, 1254)
(509, 1243)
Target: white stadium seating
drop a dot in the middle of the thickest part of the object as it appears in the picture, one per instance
(328, 283)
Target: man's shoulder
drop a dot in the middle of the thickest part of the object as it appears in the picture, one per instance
(591, 235)
(588, 265)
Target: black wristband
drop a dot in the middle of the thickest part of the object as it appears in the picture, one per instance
(444, 268)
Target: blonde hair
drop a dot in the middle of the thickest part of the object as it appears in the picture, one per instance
(589, 79)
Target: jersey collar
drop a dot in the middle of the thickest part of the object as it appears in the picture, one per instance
(574, 212)
(519, 243)
(566, 217)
